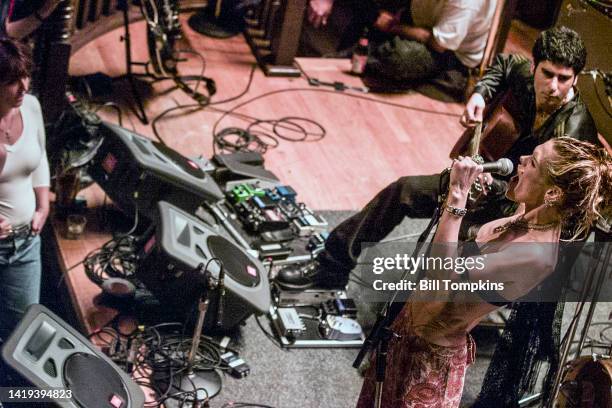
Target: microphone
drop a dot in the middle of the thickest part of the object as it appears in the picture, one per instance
(220, 301)
(503, 167)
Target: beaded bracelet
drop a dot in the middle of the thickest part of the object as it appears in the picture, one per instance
(458, 212)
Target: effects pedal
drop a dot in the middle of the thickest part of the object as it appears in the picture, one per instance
(238, 368)
(309, 223)
(291, 325)
(340, 307)
(257, 219)
(273, 250)
(243, 192)
(271, 209)
(311, 318)
(340, 328)
(317, 242)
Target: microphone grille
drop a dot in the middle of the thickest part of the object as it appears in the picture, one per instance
(506, 167)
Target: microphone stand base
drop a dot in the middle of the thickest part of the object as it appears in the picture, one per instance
(210, 380)
(205, 23)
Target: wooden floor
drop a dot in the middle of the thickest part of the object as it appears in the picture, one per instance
(367, 144)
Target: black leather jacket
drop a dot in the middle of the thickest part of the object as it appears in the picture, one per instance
(512, 72)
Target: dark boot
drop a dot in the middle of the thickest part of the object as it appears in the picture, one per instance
(322, 272)
(298, 276)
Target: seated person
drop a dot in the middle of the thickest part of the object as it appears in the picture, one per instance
(550, 106)
(417, 40)
(563, 186)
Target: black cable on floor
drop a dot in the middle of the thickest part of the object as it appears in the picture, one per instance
(197, 107)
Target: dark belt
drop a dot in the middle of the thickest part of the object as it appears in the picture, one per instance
(22, 231)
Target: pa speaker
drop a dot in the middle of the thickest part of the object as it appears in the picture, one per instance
(49, 353)
(169, 267)
(137, 172)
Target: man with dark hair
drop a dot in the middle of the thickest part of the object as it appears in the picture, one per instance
(560, 46)
(544, 90)
(548, 106)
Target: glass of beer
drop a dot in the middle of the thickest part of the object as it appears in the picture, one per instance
(75, 226)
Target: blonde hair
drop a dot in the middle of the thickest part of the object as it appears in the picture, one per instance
(583, 172)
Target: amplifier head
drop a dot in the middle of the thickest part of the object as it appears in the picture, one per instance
(170, 261)
(134, 170)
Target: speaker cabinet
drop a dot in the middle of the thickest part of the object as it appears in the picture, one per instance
(169, 267)
(49, 353)
(137, 172)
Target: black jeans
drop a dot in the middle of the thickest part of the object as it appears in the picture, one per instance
(410, 196)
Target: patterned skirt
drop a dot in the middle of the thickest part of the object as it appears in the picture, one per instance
(419, 374)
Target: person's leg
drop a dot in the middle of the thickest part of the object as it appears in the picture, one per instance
(401, 61)
(419, 374)
(412, 196)
(20, 275)
(451, 76)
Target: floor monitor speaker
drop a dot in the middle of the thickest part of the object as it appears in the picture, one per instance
(49, 353)
(138, 172)
(169, 267)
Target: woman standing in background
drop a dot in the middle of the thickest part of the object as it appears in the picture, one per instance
(24, 186)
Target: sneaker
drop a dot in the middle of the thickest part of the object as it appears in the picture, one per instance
(298, 276)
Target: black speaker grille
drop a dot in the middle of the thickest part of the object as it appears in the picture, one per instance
(235, 262)
(93, 381)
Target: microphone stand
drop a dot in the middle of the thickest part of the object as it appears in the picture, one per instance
(196, 380)
(139, 110)
(381, 333)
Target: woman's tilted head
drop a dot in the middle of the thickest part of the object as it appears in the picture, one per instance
(583, 173)
(15, 71)
(531, 183)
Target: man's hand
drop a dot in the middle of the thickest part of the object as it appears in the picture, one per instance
(318, 12)
(481, 187)
(386, 21)
(485, 180)
(47, 8)
(38, 221)
(473, 111)
(5, 228)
